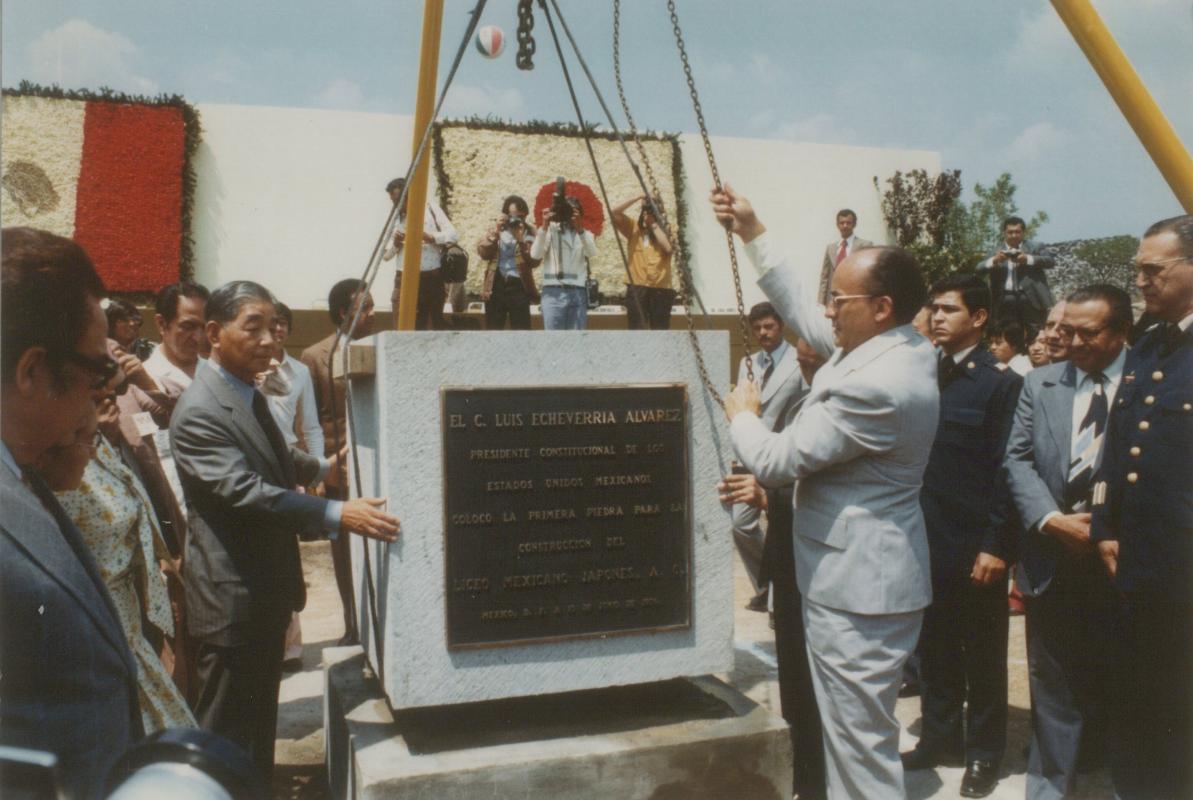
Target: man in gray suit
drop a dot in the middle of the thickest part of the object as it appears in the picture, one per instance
(1017, 281)
(858, 450)
(69, 682)
(242, 569)
(776, 372)
(839, 249)
(1054, 448)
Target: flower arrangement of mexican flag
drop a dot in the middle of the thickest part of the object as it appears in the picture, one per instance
(109, 171)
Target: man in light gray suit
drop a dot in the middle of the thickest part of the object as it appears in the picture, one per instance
(242, 568)
(69, 682)
(858, 450)
(780, 385)
(1054, 447)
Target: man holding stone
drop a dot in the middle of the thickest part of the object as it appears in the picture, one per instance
(858, 451)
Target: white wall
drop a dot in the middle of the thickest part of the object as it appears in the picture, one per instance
(295, 198)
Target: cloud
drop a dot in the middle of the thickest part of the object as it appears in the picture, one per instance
(823, 128)
(464, 101)
(764, 69)
(1035, 142)
(77, 54)
(341, 94)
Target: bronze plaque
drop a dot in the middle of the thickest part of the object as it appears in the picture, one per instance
(565, 512)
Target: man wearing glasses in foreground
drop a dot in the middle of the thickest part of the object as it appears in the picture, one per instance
(69, 681)
(857, 451)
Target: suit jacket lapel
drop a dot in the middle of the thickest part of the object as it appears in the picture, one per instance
(57, 545)
(783, 369)
(1058, 411)
(245, 422)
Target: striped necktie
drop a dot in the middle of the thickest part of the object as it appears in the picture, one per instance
(1087, 445)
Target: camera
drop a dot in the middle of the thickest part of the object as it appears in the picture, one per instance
(514, 221)
(561, 209)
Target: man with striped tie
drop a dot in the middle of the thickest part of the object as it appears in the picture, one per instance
(1054, 448)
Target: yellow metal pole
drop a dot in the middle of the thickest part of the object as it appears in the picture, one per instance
(416, 193)
(1133, 99)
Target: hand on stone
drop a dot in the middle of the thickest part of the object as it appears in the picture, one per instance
(744, 397)
(364, 517)
(744, 489)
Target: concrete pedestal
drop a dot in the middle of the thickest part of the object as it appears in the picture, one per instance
(690, 738)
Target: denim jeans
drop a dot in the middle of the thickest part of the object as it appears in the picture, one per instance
(565, 308)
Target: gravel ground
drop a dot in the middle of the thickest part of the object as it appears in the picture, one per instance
(300, 772)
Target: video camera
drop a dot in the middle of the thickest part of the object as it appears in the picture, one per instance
(561, 209)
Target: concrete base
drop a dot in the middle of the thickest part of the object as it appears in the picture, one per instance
(690, 738)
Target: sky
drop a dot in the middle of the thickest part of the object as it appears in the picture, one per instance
(993, 87)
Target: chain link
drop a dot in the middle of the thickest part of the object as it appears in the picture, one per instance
(716, 178)
(526, 44)
(676, 246)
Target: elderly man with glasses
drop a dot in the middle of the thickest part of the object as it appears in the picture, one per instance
(857, 452)
(1143, 526)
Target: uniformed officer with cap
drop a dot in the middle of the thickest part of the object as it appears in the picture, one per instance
(1143, 524)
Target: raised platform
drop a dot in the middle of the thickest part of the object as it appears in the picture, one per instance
(691, 738)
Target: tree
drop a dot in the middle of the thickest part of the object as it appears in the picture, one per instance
(946, 235)
(1108, 260)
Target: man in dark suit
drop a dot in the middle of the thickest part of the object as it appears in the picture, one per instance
(967, 510)
(1053, 449)
(69, 682)
(1143, 525)
(242, 567)
(345, 299)
(1017, 282)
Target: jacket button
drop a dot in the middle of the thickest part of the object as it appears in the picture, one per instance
(1157, 375)
(1135, 451)
(1188, 406)
(1132, 477)
(1151, 398)
(1144, 425)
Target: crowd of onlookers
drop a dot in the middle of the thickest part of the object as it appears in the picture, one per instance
(915, 456)
(154, 495)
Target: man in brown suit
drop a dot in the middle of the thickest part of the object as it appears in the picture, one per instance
(345, 298)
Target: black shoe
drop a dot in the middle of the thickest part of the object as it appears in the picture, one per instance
(926, 758)
(909, 689)
(980, 779)
(757, 602)
(292, 665)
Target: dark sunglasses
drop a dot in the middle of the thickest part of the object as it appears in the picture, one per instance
(104, 368)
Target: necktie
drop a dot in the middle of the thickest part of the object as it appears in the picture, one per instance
(769, 363)
(272, 432)
(945, 370)
(1087, 445)
(841, 252)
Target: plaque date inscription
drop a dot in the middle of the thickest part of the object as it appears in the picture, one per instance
(565, 512)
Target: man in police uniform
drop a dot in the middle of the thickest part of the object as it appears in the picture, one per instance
(967, 511)
(1143, 525)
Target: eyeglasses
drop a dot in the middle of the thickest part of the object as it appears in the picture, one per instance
(104, 368)
(838, 300)
(1154, 269)
(1084, 334)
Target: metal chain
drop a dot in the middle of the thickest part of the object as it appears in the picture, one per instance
(716, 179)
(526, 45)
(676, 246)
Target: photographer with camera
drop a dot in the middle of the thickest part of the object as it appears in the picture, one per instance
(564, 247)
(648, 295)
(509, 280)
(1017, 282)
(438, 233)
